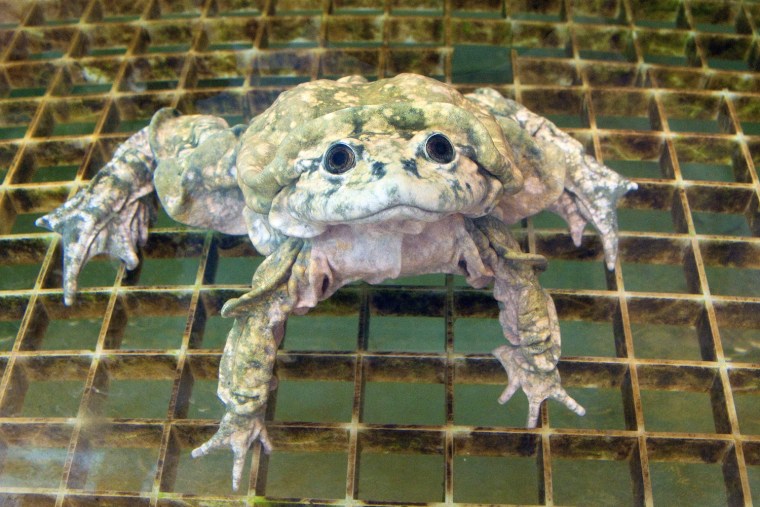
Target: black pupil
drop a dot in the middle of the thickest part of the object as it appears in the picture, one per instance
(339, 159)
(439, 149)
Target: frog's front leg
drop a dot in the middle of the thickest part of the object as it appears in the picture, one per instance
(591, 190)
(528, 319)
(559, 174)
(111, 215)
(245, 372)
(188, 160)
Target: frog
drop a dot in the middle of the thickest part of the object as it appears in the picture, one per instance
(349, 180)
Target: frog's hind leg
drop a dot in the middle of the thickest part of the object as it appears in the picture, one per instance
(247, 366)
(528, 319)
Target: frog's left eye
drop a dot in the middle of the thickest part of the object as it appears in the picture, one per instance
(339, 159)
(439, 149)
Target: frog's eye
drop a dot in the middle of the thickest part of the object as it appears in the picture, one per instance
(439, 149)
(339, 159)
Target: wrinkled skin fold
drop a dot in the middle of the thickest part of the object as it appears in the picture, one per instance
(348, 180)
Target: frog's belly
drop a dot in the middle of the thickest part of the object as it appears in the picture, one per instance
(374, 253)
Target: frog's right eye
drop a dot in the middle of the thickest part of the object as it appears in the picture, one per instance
(339, 159)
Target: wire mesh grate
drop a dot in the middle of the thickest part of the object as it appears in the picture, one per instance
(387, 393)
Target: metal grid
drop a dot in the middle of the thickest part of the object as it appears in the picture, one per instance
(387, 393)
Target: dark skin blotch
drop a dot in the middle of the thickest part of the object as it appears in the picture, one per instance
(357, 123)
(410, 166)
(378, 170)
(412, 119)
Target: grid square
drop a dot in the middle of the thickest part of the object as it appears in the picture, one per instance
(677, 411)
(153, 332)
(403, 403)
(322, 332)
(8, 333)
(46, 386)
(570, 274)
(314, 401)
(292, 474)
(604, 409)
(99, 464)
(477, 335)
(665, 341)
(495, 479)
(641, 277)
(236, 270)
(71, 117)
(52, 398)
(16, 117)
(669, 48)
(119, 12)
(204, 403)
(753, 473)
(476, 405)
(732, 281)
(71, 334)
(217, 71)
(28, 80)
(668, 394)
(744, 386)
(33, 466)
(126, 398)
(215, 332)
(674, 482)
(18, 276)
(419, 334)
(592, 482)
(587, 338)
(740, 344)
(401, 477)
(107, 470)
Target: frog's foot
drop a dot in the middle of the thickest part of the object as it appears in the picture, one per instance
(237, 432)
(591, 193)
(538, 385)
(89, 227)
(110, 215)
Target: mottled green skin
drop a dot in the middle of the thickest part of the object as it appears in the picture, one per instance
(396, 212)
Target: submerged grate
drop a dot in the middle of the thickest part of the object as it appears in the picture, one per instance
(388, 393)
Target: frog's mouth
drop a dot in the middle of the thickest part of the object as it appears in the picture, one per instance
(400, 212)
(401, 217)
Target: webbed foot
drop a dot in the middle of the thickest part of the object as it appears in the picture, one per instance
(237, 432)
(89, 226)
(591, 190)
(537, 385)
(591, 193)
(110, 215)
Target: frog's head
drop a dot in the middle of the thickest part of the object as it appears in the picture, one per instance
(382, 163)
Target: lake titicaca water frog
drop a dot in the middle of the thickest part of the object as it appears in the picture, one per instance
(353, 180)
